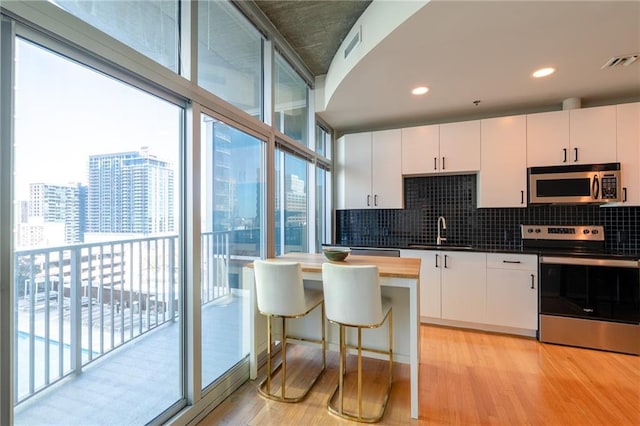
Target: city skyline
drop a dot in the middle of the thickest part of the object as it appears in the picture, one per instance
(74, 112)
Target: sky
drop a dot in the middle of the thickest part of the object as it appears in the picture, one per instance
(65, 112)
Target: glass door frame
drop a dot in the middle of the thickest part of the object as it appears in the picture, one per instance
(10, 31)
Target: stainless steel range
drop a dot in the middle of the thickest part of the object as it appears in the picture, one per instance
(588, 298)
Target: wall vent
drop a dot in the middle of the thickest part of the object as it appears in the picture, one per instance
(625, 60)
(355, 40)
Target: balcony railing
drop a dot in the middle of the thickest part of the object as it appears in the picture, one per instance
(76, 303)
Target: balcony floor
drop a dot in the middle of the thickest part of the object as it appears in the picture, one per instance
(136, 382)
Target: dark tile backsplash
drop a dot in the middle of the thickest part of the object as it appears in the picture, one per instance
(454, 197)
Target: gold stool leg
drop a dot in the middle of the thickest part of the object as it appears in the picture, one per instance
(338, 390)
(390, 348)
(343, 367)
(269, 355)
(283, 355)
(324, 340)
(265, 386)
(359, 374)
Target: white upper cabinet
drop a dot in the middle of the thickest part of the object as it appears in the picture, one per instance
(592, 135)
(459, 147)
(577, 136)
(368, 170)
(386, 168)
(502, 181)
(444, 148)
(628, 147)
(548, 138)
(420, 150)
(353, 171)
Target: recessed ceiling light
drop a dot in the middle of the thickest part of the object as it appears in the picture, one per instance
(420, 90)
(543, 72)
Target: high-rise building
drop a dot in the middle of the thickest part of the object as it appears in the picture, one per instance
(296, 200)
(130, 192)
(219, 196)
(57, 207)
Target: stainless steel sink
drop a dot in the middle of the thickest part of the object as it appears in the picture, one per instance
(441, 247)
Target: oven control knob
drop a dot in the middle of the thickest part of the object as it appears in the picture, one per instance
(529, 230)
(595, 231)
(586, 231)
(538, 230)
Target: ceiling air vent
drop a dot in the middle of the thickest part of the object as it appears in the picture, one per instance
(355, 40)
(625, 60)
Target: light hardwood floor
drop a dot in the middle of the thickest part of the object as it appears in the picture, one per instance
(467, 378)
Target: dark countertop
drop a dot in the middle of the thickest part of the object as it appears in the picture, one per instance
(481, 249)
(447, 247)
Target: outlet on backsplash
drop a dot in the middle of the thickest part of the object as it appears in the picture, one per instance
(508, 235)
(622, 237)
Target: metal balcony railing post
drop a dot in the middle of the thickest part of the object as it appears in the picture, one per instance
(75, 307)
(165, 294)
(147, 299)
(101, 299)
(60, 312)
(172, 278)
(47, 321)
(122, 286)
(90, 304)
(32, 323)
(227, 261)
(16, 266)
(111, 300)
(140, 279)
(156, 266)
(131, 310)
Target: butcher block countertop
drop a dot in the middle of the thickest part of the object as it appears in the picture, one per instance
(393, 267)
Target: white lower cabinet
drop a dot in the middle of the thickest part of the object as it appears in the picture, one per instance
(429, 281)
(488, 291)
(452, 284)
(512, 290)
(463, 284)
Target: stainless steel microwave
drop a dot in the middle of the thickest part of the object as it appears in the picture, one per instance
(575, 184)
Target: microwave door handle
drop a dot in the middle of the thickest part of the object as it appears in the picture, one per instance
(595, 187)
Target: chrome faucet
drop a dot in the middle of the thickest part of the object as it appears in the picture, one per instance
(440, 239)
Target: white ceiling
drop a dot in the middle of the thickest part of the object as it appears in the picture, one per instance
(486, 50)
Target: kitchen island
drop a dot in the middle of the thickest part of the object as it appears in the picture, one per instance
(399, 280)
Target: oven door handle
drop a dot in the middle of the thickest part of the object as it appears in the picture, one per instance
(633, 264)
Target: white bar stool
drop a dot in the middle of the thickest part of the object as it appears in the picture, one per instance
(280, 293)
(353, 299)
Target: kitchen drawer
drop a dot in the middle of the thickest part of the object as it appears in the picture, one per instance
(526, 262)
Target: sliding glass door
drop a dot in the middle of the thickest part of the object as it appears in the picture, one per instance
(96, 259)
(232, 202)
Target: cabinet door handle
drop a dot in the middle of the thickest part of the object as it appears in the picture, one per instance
(575, 151)
(445, 260)
(533, 280)
(375, 200)
(624, 195)
(437, 256)
(443, 167)
(511, 261)
(564, 151)
(368, 200)
(521, 197)
(435, 163)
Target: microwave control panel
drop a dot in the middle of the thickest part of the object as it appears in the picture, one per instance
(609, 187)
